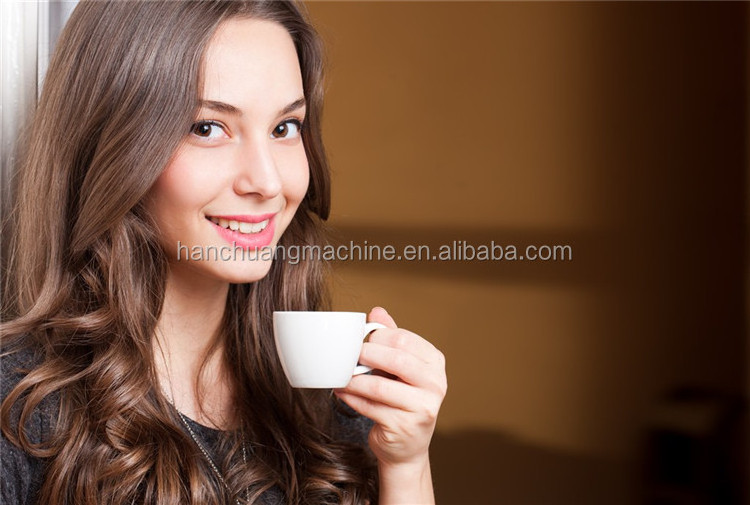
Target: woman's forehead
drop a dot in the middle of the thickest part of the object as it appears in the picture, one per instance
(252, 64)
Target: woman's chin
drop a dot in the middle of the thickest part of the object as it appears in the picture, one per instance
(232, 272)
(248, 271)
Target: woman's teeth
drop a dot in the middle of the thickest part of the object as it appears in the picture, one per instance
(240, 226)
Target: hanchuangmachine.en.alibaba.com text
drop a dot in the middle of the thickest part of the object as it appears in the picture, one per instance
(457, 250)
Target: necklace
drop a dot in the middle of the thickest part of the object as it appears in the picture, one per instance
(170, 398)
(205, 452)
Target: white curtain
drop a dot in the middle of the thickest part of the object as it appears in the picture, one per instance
(28, 32)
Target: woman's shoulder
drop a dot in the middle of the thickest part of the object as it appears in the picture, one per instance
(15, 365)
(22, 355)
(21, 474)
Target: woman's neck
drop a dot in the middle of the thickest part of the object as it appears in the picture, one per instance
(188, 349)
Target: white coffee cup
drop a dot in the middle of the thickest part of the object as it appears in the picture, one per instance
(320, 349)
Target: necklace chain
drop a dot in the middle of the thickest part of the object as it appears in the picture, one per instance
(205, 452)
(170, 399)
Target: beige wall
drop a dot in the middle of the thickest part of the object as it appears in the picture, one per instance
(612, 127)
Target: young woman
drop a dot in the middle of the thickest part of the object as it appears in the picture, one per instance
(130, 375)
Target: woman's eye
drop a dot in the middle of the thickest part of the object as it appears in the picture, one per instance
(207, 130)
(287, 130)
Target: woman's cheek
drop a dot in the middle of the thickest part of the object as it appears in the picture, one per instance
(297, 180)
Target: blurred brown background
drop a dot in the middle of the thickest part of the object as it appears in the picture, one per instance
(620, 129)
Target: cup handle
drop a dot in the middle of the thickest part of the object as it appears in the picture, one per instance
(369, 328)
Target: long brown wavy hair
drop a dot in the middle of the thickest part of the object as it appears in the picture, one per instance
(85, 276)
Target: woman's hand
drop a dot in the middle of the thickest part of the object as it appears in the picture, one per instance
(404, 406)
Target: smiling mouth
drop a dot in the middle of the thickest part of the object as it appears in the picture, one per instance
(240, 226)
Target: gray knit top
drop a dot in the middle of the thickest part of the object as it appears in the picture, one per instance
(21, 475)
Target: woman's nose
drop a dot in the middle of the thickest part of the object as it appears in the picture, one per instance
(257, 172)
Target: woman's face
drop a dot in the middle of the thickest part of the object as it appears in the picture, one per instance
(233, 186)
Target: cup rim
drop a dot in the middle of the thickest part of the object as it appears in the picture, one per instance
(317, 312)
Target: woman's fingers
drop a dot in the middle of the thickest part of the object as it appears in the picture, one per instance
(410, 342)
(393, 336)
(380, 315)
(405, 404)
(384, 391)
(381, 399)
(399, 338)
(406, 366)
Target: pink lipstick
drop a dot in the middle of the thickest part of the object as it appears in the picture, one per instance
(248, 231)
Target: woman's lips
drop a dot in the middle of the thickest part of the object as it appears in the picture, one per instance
(245, 231)
(245, 218)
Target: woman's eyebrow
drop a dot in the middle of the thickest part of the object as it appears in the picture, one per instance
(220, 107)
(297, 104)
(231, 109)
